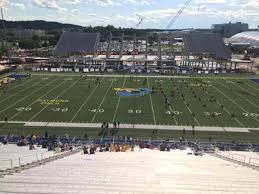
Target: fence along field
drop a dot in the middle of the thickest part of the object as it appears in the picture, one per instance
(214, 102)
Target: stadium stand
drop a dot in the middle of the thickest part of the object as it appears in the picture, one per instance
(75, 42)
(19, 76)
(2, 68)
(142, 171)
(245, 157)
(13, 156)
(5, 69)
(255, 80)
(206, 43)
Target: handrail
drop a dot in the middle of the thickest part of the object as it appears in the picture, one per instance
(239, 158)
(251, 161)
(21, 160)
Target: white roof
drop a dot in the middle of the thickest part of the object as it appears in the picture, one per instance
(100, 57)
(251, 37)
(139, 58)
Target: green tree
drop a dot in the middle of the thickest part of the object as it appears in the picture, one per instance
(29, 44)
(4, 49)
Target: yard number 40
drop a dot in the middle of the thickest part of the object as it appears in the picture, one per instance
(134, 111)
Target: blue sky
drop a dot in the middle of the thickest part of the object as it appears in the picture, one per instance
(127, 13)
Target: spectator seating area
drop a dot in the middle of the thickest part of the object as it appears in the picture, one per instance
(12, 155)
(139, 171)
(19, 76)
(12, 77)
(3, 68)
(246, 157)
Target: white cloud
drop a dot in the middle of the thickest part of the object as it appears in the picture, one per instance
(155, 15)
(3, 3)
(84, 12)
(20, 6)
(59, 5)
(211, 1)
(251, 4)
(74, 2)
(202, 10)
(120, 2)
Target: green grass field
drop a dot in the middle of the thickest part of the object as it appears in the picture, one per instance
(223, 102)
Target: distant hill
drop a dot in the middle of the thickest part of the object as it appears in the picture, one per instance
(38, 24)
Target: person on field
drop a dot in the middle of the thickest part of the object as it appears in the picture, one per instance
(114, 124)
(5, 118)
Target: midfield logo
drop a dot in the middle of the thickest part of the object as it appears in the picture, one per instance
(132, 92)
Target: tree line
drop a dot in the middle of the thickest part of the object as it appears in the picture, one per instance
(54, 30)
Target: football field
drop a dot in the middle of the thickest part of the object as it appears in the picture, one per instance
(175, 101)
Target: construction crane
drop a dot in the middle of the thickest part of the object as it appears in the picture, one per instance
(179, 13)
(2, 16)
(141, 20)
(4, 31)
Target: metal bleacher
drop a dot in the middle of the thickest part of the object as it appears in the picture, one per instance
(13, 156)
(141, 171)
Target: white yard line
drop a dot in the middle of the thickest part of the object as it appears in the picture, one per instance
(151, 101)
(174, 115)
(242, 88)
(100, 105)
(190, 111)
(35, 101)
(227, 111)
(22, 82)
(196, 120)
(84, 103)
(34, 116)
(240, 107)
(25, 82)
(27, 95)
(252, 87)
(119, 99)
(172, 112)
(250, 102)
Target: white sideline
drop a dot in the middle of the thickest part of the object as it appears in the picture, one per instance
(134, 126)
(142, 76)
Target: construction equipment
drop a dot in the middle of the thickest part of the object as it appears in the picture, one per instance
(179, 13)
(141, 20)
(3, 39)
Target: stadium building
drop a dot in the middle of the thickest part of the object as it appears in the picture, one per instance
(230, 29)
(195, 52)
(116, 132)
